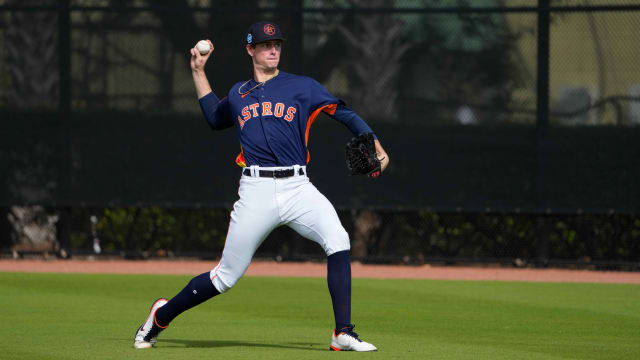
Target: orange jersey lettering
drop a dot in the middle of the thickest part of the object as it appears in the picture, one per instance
(279, 110)
(290, 112)
(245, 113)
(254, 108)
(266, 108)
(241, 122)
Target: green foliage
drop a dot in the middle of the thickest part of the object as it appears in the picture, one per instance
(414, 236)
(155, 230)
(484, 236)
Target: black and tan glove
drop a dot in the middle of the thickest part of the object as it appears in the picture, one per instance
(361, 156)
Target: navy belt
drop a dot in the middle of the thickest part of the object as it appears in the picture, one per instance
(276, 174)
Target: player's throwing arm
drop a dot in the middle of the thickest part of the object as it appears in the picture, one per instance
(198, 60)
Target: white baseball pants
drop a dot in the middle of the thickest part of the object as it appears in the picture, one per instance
(266, 203)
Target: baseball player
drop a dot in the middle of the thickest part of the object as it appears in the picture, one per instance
(272, 114)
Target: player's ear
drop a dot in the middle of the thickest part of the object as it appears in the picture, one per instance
(250, 48)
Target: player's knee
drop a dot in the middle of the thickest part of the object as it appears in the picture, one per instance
(229, 270)
(223, 282)
(223, 285)
(339, 242)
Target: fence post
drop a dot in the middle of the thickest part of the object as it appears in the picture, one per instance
(542, 110)
(542, 129)
(542, 237)
(296, 40)
(64, 112)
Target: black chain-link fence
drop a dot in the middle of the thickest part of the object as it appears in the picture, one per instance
(490, 110)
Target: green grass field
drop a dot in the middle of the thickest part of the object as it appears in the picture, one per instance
(76, 316)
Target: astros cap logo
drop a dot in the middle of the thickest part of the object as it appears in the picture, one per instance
(269, 29)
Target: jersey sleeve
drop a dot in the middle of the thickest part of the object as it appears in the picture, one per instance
(351, 120)
(217, 112)
(319, 96)
(336, 108)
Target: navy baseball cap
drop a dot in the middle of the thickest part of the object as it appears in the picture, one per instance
(263, 31)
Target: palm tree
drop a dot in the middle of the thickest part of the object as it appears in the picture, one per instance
(376, 49)
(32, 57)
(31, 54)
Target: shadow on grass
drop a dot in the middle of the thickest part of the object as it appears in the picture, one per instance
(232, 343)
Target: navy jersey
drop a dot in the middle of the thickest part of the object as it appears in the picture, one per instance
(273, 120)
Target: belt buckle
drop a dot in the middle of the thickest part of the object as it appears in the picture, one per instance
(278, 172)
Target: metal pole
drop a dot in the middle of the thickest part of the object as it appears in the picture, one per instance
(296, 40)
(542, 128)
(544, 15)
(64, 111)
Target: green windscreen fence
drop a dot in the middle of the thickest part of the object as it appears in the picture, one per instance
(450, 90)
(121, 158)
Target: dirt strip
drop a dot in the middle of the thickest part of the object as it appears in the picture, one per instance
(269, 268)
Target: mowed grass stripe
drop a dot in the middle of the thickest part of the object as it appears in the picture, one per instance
(81, 316)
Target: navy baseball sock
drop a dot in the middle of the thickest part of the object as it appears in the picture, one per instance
(339, 280)
(199, 290)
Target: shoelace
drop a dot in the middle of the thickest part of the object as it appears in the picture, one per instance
(153, 332)
(349, 331)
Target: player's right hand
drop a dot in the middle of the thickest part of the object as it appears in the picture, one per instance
(198, 61)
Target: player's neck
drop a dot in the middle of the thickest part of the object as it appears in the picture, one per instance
(262, 75)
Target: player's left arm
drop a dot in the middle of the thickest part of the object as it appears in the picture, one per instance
(358, 126)
(320, 98)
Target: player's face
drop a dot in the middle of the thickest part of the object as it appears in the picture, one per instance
(266, 54)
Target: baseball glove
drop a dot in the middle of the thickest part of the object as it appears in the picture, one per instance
(361, 156)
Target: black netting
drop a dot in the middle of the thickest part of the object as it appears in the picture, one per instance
(450, 87)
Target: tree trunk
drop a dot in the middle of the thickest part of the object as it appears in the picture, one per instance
(367, 222)
(376, 48)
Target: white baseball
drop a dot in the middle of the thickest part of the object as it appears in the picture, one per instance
(203, 47)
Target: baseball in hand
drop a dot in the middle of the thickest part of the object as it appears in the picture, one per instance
(203, 47)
